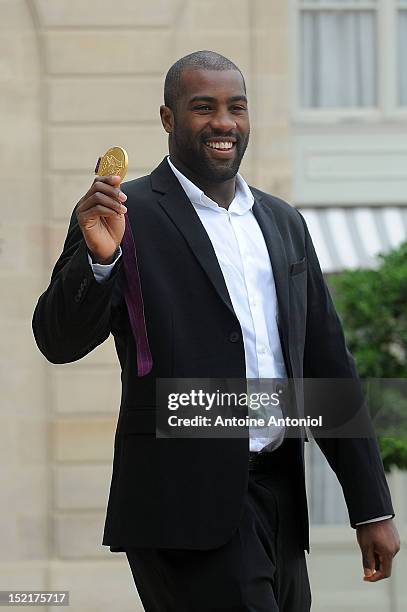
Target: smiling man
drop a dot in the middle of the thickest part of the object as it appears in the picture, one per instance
(208, 133)
(224, 283)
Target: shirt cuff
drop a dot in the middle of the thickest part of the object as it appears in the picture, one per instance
(103, 271)
(379, 518)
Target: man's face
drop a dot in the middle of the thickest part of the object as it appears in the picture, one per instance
(211, 128)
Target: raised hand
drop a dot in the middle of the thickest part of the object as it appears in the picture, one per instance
(100, 215)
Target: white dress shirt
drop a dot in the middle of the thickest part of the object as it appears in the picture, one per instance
(242, 254)
(243, 257)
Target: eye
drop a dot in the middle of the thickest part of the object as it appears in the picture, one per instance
(202, 107)
(238, 108)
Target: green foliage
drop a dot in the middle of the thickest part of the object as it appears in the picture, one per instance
(372, 305)
(394, 452)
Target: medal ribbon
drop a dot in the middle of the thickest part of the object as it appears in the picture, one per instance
(134, 301)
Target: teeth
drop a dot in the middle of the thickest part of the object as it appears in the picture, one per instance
(220, 145)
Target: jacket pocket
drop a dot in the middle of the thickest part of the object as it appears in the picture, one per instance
(298, 266)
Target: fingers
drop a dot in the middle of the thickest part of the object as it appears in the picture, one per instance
(97, 211)
(384, 565)
(111, 179)
(104, 192)
(110, 185)
(106, 184)
(100, 205)
(368, 560)
(109, 190)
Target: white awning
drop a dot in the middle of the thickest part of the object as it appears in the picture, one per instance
(351, 237)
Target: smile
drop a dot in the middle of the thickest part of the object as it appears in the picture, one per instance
(221, 149)
(220, 145)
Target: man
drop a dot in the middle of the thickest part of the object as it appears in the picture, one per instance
(231, 288)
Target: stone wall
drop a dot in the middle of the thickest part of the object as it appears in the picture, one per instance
(77, 77)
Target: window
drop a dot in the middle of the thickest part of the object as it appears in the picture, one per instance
(352, 57)
(402, 52)
(338, 53)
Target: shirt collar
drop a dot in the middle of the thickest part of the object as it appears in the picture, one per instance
(241, 203)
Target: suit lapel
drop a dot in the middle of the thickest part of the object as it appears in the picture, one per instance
(177, 206)
(266, 219)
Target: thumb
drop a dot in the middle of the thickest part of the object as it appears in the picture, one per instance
(368, 560)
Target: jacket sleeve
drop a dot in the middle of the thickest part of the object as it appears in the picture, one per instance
(356, 461)
(73, 315)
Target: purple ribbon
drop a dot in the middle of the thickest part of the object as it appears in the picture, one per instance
(134, 301)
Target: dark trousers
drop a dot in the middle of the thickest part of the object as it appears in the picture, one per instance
(261, 569)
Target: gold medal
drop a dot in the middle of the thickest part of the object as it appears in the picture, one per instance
(114, 162)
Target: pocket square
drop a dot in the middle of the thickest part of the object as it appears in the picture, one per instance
(298, 266)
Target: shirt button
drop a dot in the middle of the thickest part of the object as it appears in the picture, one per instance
(234, 336)
(279, 388)
(262, 350)
(252, 301)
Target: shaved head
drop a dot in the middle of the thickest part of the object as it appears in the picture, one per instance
(199, 60)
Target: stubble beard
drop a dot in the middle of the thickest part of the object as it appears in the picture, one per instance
(192, 155)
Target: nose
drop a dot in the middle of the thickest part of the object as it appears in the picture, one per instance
(223, 121)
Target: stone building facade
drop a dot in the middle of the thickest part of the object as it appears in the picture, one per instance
(76, 78)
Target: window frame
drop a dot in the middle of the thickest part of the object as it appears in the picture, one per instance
(387, 109)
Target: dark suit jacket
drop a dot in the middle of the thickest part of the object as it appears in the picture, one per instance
(189, 493)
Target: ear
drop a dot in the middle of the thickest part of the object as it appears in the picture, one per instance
(167, 118)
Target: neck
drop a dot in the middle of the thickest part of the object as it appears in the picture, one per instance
(221, 193)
